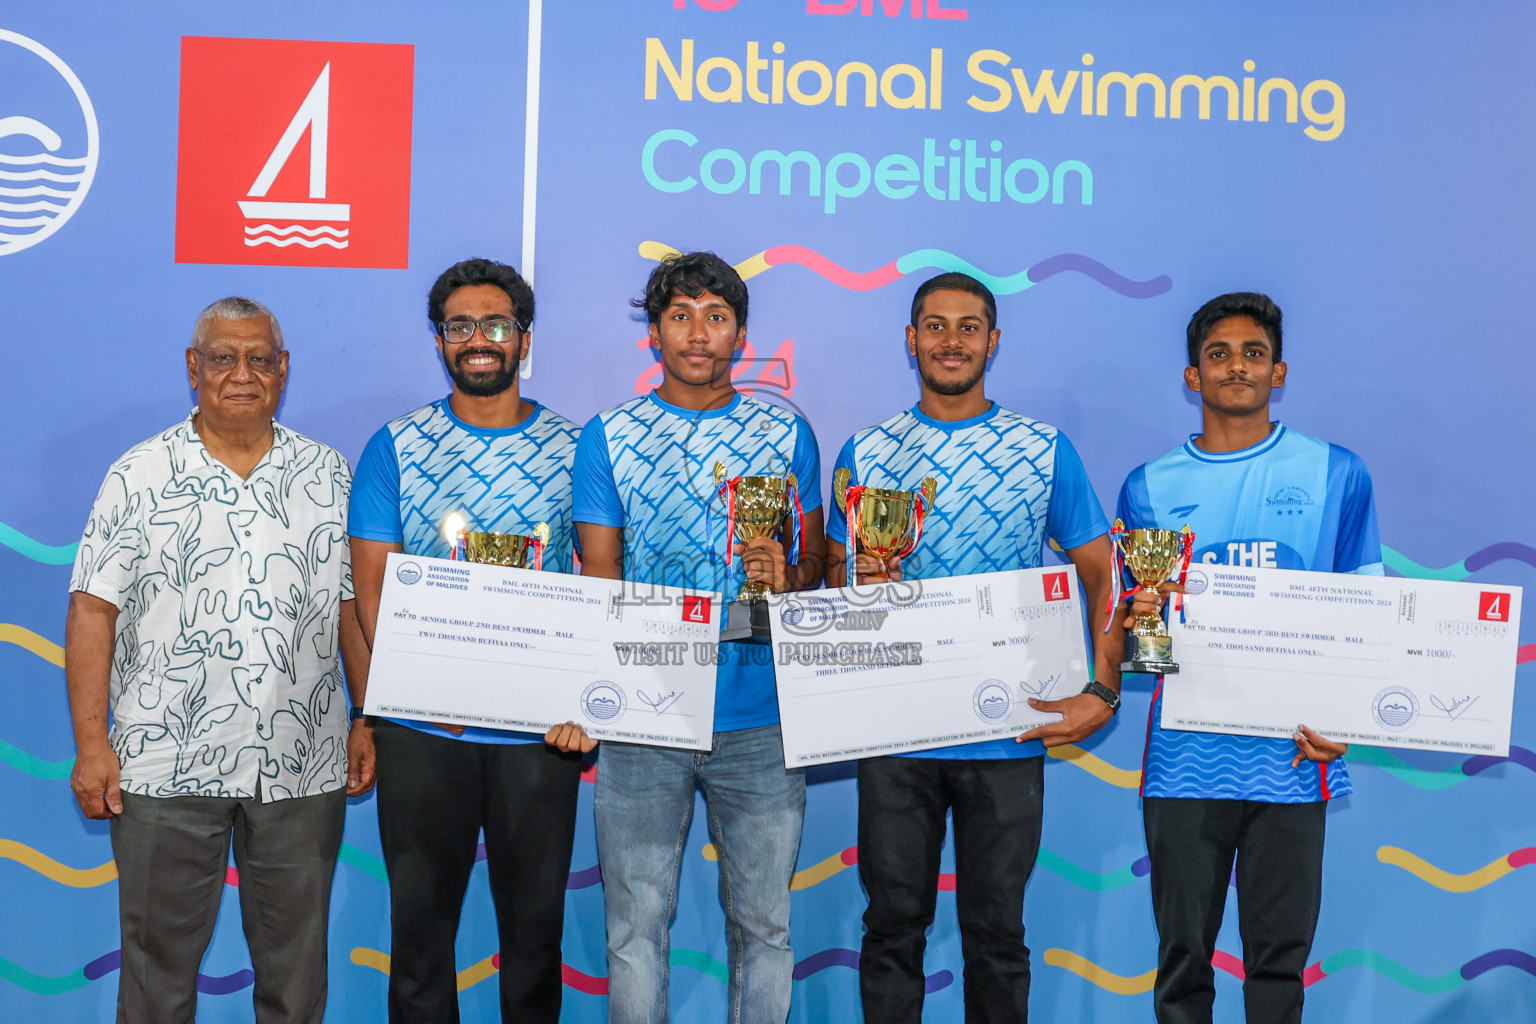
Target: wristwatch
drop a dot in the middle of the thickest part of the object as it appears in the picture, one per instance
(1105, 694)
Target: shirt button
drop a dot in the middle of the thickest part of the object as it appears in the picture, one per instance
(247, 533)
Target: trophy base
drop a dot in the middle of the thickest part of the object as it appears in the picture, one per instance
(747, 620)
(1151, 655)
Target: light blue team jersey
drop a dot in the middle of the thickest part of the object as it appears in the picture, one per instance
(429, 463)
(648, 467)
(1289, 502)
(1007, 483)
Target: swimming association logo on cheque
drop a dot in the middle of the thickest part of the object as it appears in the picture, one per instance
(1395, 708)
(603, 702)
(294, 153)
(408, 573)
(49, 142)
(992, 701)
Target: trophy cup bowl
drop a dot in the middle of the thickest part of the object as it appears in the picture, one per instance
(1152, 556)
(885, 522)
(762, 505)
(519, 551)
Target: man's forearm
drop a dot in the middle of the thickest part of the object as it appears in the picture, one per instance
(89, 632)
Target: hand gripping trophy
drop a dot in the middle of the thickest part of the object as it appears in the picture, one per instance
(887, 524)
(1152, 556)
(757, 506)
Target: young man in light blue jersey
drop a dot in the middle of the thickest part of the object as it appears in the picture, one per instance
(644, 486)
(503, 463)
(1006, 485)
(1256, 493)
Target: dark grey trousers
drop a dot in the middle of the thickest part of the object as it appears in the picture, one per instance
(171, 858)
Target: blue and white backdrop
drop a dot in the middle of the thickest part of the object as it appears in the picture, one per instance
(1105, 166)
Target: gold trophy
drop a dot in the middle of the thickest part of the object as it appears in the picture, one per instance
(1152, 556)
(520, 551)
(516, 550)
(887, 524)
(756, 506)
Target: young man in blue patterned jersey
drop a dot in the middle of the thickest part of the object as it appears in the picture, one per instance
(1256, 493)
(503, 463)
(644, 484)
(1006, 484)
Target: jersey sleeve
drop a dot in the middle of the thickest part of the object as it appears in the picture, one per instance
(1075, 516)
(1135, 506)
(374, 511)
(1357, 547)
(837, 521)
(806, 465)
(595, 497)
(115, 542)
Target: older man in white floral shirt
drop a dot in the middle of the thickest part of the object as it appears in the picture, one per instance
(211, 593)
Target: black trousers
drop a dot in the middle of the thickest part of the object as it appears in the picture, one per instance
(1279, 854)
(435, 795)
(902, 804)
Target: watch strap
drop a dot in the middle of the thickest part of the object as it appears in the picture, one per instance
(1104, 693)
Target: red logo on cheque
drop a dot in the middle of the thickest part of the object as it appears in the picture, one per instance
(294, 153)
(695, 609)
(1493, 607)
(1056, 586)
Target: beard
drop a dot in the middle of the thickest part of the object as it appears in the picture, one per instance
(954, 385)
(482, 383)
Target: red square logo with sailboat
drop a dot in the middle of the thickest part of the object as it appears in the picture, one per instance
(294, 153)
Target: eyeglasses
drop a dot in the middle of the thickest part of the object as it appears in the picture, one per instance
(498, 331)
(222, 362)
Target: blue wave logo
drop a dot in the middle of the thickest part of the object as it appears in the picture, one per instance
(43, 181)
(992, 701)
(408, 573)
(1395, 708)
(603, 702)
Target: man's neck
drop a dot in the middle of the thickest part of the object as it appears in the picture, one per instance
(951, 408)
(491, 412)
(238, 446)
(697, 397)
(1222, 432)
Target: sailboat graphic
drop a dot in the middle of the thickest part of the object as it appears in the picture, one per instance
(315, 115)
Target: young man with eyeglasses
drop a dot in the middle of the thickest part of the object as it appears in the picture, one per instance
(503, 462)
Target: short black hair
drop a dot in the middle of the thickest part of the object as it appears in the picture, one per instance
(481, 271)
(956, 282)
(693, 274)
(1259, 308)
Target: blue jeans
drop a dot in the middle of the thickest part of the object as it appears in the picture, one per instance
(643, 806)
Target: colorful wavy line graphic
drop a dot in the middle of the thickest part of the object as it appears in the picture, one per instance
(843, 859)
(22, 637)
(1443, 778)
(933, 259)
(35, 766)
(75, 878)
(25, 546)
(1329, 965)
(1475, 562)
(102, 966)
(1124, 778)
(1450, 882)
(693, 959)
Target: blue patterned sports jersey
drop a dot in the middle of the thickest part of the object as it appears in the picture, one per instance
(1289, 502)
(648, 467)
(419, 468)
(1007, 483)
